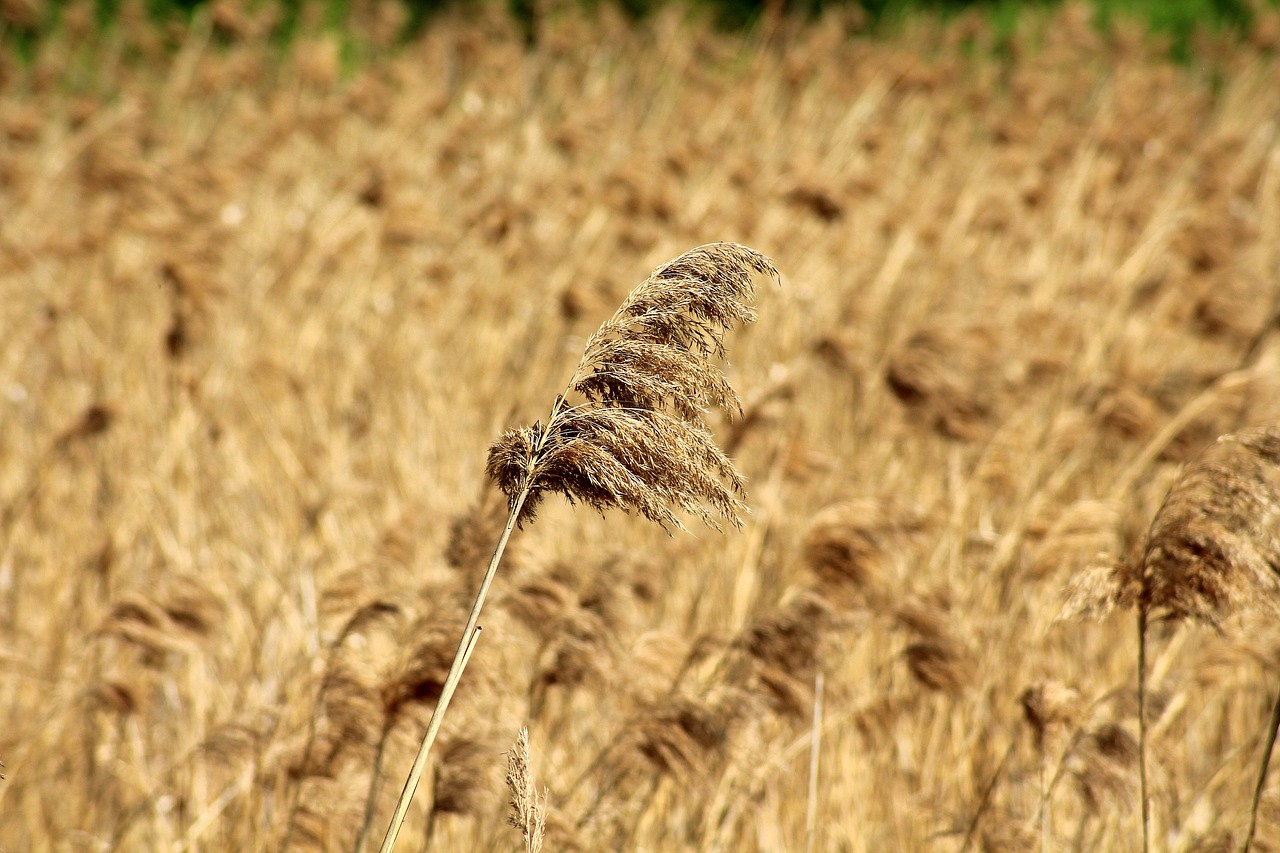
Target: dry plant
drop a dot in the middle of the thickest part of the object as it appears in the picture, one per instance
(1051, 710)
(947, 372)
(1213, 550)
(636, 442)
(1082, 744)
(815, 755)
(850, 546)
(940, 659)
(248, 295)
(528, 807)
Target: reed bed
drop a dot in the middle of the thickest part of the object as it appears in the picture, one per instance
(263, 313)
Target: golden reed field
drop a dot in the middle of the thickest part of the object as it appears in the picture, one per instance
(263, 312)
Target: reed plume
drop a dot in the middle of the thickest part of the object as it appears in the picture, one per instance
(637, 442)
(528, 806)
(635, 439)
(1213, 549)
(1214, 546)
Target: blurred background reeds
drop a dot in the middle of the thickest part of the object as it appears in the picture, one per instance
(266, 301)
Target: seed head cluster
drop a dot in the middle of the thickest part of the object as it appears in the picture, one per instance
(1214, 546)
(636, 440)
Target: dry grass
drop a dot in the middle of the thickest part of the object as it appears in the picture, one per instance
(528, 807)
(259, 323)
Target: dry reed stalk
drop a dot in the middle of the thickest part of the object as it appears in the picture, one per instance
(637, 442)
(985, 799)
(815, 753)
(1213, 549)
(528, 807)
(1273, 725)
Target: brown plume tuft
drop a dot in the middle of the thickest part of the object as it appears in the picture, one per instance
(540, 603)
(1102, 767)
(583, 652)
(171, 617)
(940, 659)
(1098, 589)
(1214, 546)
(1050, 707)
(682, 736)
(942, 666)
(462, 777)
(93, 421)
(471, 533)
(637, 442)
(419, 674)
(784, 647)
(927, 616)
(789, 636)
(943, 373)
(235, 743)
(115, 695)
(849, 543)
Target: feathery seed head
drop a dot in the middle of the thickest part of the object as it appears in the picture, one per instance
(528, 806)
(637, 442)
(1214, 546)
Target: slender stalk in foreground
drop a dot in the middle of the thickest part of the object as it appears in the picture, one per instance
(635, 441)
(815, 753)
(371, 798)
(1142, 727)
(1262, 775)
(465, 647)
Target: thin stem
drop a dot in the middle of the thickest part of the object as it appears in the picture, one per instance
(1262, 774)
(1142, 726)
(985, 800)
(372, 797)
(815, 752)
(1047, 791)
(297, 791)
(465, 645)
(1045, 813)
